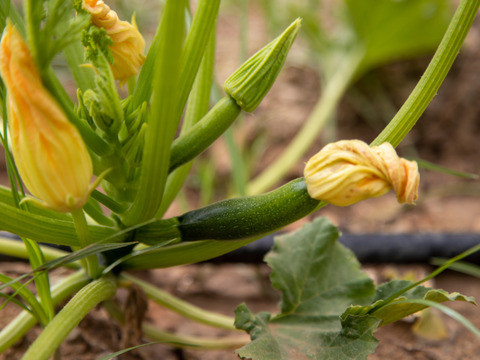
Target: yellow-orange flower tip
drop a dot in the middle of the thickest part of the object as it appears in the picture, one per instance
(128, 44)
(49, 152)
(348, 171)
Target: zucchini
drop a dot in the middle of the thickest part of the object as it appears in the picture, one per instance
(235, 219)
(245, 217)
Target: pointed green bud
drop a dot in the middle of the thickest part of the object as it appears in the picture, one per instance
(251, 82)
(103, 103)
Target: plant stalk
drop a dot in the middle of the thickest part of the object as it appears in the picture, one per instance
(433, 76)
(195, 342)
(15, 248)
(164, 117)
(92, 266)
(182, 307)
(11, 333)
(69, 317)
(179, 341)
(197, 107)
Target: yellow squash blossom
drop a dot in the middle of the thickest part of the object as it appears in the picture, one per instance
(128, 43)
(348, 171)
(49, 152)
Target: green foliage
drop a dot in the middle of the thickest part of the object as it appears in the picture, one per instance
(389, 29)
(384, 30)
(51, 28)
(389, 310)
(318, 279)
(287, 341)
(324, 295)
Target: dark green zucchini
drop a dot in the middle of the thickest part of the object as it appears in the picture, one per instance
(245, 217)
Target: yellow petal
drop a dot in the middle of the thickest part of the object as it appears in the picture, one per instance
(348, 171)
(128, 43)
(49, 152)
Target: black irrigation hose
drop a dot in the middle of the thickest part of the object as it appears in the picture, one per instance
(369, 248)
(378, 248)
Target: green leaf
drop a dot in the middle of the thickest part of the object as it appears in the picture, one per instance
(353, 341)
(392, 29)
(318, 278)
(310, 267)
(389, 311)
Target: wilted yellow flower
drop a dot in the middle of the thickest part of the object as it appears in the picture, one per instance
(49, 152)
(128, 43)
(348, 171)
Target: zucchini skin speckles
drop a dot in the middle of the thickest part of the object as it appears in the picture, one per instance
(245, 217)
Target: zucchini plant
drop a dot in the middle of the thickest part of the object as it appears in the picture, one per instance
(98, 173)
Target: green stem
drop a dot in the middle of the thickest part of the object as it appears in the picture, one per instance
(238, 167)
(164, 117)
(93, 268)
(15, 329)
(15, 248)
(195, 342)
(434, 273)
(184, 253)
(42, 281)
(197, 107)
(29, 298)
(7, 8)
(204, 133)
(45, 229)
(330, 97)
(179, 341)
(433, 77)
(32, 10)
(31, 248)
(69, 317)
(198, 37)
(107, 201)
(11, 197)
(239, 171)
(182, 307)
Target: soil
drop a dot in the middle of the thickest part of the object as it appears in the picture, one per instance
(446, 135)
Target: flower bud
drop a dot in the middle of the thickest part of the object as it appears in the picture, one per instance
(49, 152)
(128, 43)
(348, 171)
(250, 83)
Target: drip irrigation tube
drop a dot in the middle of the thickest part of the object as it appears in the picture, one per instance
(378, 248)
(368, 248)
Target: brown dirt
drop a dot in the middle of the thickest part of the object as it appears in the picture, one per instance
(447, 134)
(222, 288)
